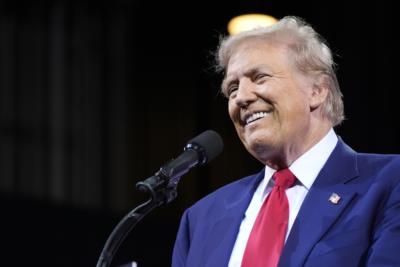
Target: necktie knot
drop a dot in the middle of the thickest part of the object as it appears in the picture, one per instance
(284, 178)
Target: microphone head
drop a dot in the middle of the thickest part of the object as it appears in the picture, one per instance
(208, 145)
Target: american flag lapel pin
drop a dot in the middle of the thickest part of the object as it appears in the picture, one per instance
(334, 198)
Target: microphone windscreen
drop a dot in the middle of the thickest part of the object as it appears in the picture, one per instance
(211, 144)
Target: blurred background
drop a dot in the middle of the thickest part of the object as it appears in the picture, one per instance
(96, 95)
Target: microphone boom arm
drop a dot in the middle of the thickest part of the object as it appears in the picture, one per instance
(162, 190)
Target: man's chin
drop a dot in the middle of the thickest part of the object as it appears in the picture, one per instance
(257, 138)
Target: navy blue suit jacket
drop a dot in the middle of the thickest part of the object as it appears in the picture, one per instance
(362, 229)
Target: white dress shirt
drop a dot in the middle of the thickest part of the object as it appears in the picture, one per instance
(306, 169)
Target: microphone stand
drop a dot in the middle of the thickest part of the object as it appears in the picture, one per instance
(162, 189)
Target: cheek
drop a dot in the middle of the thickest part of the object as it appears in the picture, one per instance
(298, 104)
(297, 117)
(233, 111)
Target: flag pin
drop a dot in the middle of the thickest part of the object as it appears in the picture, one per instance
(334, 198)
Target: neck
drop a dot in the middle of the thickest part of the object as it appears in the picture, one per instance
(285, 158)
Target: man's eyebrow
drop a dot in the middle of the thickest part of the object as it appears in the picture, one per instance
(248, 73)
(225, 83)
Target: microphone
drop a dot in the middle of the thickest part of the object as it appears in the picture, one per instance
(197, 152)
(162, 187)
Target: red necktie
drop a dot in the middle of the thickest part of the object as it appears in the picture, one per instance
(267, 237)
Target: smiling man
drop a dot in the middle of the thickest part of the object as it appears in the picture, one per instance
(276, 109)
(317, 202)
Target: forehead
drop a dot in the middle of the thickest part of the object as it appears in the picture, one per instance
(248, 55)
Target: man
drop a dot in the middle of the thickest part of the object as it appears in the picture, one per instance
(341, 208)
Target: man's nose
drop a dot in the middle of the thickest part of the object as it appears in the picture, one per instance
(245, 93)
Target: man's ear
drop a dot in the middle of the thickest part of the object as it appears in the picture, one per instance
(320, 91)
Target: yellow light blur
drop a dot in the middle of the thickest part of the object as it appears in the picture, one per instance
(248, 22)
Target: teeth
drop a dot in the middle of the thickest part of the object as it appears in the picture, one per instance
(256, 116)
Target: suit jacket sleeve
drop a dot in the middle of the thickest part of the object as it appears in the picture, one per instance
(182, 243)
(384, 250)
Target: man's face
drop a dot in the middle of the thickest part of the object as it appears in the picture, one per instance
(269, 101)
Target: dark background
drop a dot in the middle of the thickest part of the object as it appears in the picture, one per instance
(97, 95)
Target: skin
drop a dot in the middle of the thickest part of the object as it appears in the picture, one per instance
(261, 78)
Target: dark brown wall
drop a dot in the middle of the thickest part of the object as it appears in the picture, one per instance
(97, 95)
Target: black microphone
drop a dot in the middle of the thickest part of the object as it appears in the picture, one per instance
(197, 152)
(162, 187)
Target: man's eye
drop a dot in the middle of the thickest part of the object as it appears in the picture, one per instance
(231, 89)
(259, 77)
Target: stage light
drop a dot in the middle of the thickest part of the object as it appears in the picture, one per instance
(249, 21)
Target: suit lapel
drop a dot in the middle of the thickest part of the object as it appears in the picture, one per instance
(319, 210)
(226, 226)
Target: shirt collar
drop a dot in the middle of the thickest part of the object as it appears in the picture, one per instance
(307, 167)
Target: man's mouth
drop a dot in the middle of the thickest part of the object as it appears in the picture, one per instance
(255, 116)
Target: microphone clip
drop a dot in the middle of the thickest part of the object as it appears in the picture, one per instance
(161, 186)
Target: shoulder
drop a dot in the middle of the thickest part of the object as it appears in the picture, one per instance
(227, 194)
(378, 163)
(368, 164)
(230, 191)
(383, 170)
